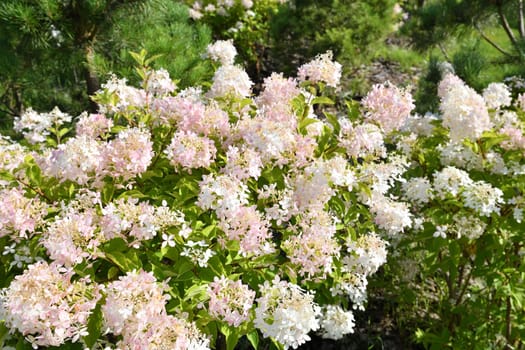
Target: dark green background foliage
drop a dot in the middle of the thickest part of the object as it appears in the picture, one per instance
(59, 52)
(351, 29)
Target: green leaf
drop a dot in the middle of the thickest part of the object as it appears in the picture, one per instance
(322, 100)
(126, 262)
(253, 337)
(94, 327)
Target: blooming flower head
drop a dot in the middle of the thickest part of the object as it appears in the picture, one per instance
(418, 190)
(321, 69)
(464, 112)
(125, 96)
(20, 216)
(159, 83)
(483, 198)
(249, 227)
(190, 150)
(230, 81)
(73, 238)
(36, 126)
(497, 95)
(336, 322)
(286, 313)
(362, 140)
(222, 51)
(366, 254)
(450, 180)
(129, 154)
(77, 160)
(130, 299)
(46, 306)
(230, 300)
(93, 125)
(388, 106)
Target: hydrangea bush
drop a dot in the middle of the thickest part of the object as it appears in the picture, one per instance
(188, 219)
(459, 270)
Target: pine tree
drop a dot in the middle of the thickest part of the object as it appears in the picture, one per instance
(55, 52)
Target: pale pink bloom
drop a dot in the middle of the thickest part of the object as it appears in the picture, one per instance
(12, 155)
(321, 69)
(72, 238)
(249, 227)
(191, 151)
(46, 307)
(129, 296)
(77, 160)
(20, 216)
(272, 140)
(362, 140)
(314, 247)
(160, 332)
(388, 106)
(278, 91)
(230, 81)
(389, 215)
(516, 139)
(93, 125)
(230, 301)
(128, 155)
(464, 111)
(242, 163)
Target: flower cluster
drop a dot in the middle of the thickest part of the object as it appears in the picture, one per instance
(286, 313)
(321, 70)
(135, 309)
(46, 306)
(388, 106)
(37, 126)
(230, 301)
(20, 216)
(464, 112)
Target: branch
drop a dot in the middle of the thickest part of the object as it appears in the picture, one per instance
(489, 40)
(507, 27)
(522, 24)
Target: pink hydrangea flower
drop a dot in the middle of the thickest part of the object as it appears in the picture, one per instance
(388, 106)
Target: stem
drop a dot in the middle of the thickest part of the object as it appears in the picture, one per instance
(508, 326)
(36, 190)
(444, 52)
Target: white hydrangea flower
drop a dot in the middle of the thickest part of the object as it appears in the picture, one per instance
(222, 51)
(336, 322)
(497, 95)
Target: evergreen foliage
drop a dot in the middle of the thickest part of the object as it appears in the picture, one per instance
(57, 52)
(351, 29)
